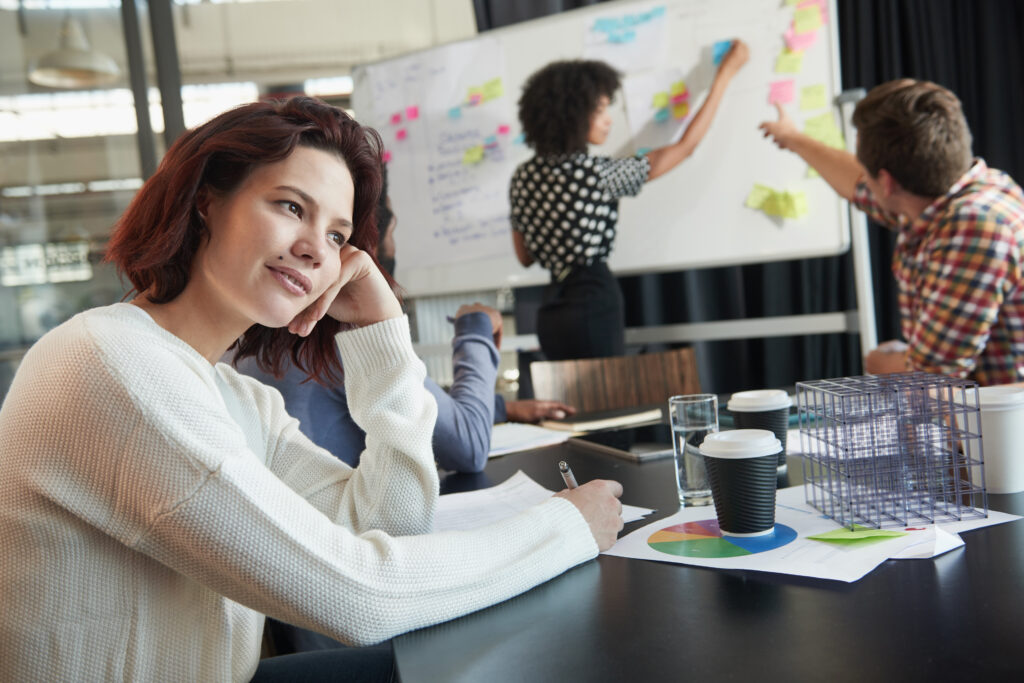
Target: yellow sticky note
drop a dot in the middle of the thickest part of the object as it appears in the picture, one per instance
(823, 129)
(807, 19)
(811, 173)
(758, 194)
(493, 89)
(771, 205)
(789, 62)
(678, 88)
(679, 111)
(812, 97)
(473, 155)
(796, 205)
(785, 204)
(660, 100)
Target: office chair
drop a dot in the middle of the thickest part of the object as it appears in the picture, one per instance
(617, 382)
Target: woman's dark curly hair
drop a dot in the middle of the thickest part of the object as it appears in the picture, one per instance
(558, 101)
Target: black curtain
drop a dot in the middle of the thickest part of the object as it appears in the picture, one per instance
(972, 47)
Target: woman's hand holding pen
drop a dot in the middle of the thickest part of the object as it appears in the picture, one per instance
(598, 502)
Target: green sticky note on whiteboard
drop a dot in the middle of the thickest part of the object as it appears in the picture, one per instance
(493, 89)
(758, 195)
(813, 97)
(473, 155)
(789, 62)
(660, 100)
(807, 19)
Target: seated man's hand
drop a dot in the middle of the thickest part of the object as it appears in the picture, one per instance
(533, 410)
(492, 313)
(888, 357)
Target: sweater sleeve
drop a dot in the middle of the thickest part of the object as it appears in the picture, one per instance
(169, 474)
(395, 486)
(465, 415)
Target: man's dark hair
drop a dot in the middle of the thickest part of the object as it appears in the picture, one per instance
(558, 102)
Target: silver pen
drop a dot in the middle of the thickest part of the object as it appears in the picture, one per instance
(567, 476)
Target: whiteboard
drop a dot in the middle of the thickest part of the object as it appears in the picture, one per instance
(448, 119)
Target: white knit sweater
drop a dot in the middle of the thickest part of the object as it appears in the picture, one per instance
(153, 507)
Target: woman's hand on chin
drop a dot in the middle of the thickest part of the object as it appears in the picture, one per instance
(360, 296)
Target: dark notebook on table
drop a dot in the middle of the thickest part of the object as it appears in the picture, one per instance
(639, 443)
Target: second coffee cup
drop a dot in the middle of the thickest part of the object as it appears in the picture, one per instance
(763, 409)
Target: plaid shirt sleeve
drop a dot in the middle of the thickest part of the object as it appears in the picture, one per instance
(865, 201)
(967, 273)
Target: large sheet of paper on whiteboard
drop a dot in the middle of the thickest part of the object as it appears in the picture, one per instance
(448, 119)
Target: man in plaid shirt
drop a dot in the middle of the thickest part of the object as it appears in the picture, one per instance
(959, 259)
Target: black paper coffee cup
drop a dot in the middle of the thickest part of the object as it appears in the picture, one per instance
(741, 466)
(763, 409)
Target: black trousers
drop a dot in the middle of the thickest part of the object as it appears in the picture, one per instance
(582, 316)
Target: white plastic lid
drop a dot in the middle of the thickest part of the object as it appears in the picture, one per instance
(740, 443)
(761, 399)
(1000, 398)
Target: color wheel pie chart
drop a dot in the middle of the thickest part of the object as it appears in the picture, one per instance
(705, 539)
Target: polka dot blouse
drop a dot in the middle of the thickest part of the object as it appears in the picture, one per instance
(567, 206)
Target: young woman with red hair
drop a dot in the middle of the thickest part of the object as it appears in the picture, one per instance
(155, 504)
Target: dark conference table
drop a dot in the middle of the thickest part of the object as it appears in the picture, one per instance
(956, 617)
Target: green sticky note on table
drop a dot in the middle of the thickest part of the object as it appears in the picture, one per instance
(789, 62)
(858, 533)
(812, 97)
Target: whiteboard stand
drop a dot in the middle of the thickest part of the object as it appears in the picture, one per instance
(847, 100)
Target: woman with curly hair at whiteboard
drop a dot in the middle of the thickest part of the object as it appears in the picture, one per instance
(564, 201)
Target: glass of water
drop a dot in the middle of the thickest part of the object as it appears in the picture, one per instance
(693, 417)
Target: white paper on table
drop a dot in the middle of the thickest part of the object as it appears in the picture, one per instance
(801, 556)
(931, 542)
(471, 509)
(510, 437)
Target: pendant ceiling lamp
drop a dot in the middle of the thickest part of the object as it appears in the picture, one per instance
(74, 65)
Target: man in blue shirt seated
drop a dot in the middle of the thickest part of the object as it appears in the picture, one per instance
(465, 415)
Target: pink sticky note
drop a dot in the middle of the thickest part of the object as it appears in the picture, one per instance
(401, 134)
(503, 129)
(798, 42)
(476, 98)
(412, 113)
(781, 92)
(386, 156)
(396, 118)
(680, 98)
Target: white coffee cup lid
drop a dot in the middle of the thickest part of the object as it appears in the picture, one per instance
(1000, 398)
(740, 443)
(761, 399)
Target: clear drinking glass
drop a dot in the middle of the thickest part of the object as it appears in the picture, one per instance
(693, 417)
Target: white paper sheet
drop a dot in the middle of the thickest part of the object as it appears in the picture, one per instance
(457, 511)
(511, 437)
(800, 556)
